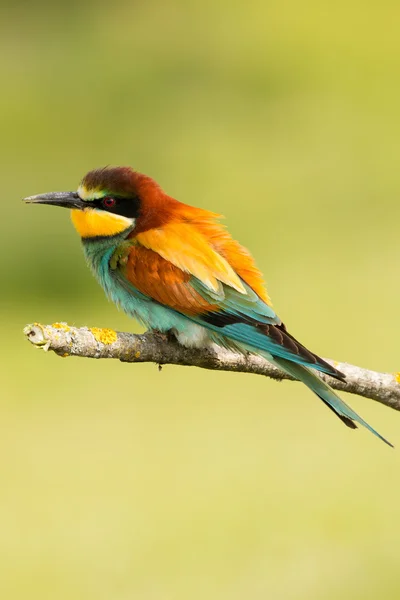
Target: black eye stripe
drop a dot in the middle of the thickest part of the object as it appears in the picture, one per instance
(126, 207)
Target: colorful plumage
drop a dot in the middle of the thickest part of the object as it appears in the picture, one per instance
(176, 269)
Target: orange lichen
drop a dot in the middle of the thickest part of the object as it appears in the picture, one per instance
(137, 354)
(105, 336)
(62, 326)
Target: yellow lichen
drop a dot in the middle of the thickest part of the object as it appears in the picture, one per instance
(397, 377)
(64, 355)
(62, 326)
(105, 336)
(137, 354)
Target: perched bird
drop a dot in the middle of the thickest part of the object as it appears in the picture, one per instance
(174, 268)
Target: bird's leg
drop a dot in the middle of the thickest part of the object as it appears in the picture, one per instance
(164, 336)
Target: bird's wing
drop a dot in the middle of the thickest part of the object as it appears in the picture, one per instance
(162, 281)
(211, 296)
(187, 248)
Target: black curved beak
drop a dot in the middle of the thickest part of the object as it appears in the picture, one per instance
(64, 199)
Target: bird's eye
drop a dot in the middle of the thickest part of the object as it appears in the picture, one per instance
(109, 202)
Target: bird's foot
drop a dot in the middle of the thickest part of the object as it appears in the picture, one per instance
(163, 336)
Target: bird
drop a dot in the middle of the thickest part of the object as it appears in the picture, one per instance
(176, 269)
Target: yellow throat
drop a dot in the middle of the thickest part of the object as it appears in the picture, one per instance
(91, 222)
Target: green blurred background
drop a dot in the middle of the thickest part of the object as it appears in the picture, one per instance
(119, 482)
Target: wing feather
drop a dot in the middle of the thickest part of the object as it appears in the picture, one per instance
(244, 318)
(185, 247)
(164, 282)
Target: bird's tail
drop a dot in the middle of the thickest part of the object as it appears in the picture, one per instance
(327, 395)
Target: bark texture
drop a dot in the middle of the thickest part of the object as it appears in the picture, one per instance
(93, 342)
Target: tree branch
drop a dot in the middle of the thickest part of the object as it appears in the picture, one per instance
(157, 348)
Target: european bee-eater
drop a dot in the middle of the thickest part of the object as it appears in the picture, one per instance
(175, 269)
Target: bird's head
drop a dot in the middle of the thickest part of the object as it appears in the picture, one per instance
(111, 201)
